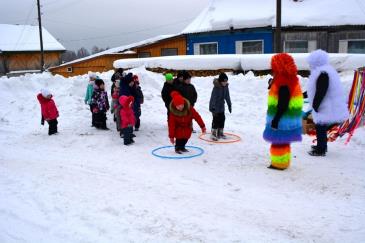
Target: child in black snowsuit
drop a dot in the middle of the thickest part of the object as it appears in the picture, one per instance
(138, 101)
(220, 94)
(168, 87)
(100, 104)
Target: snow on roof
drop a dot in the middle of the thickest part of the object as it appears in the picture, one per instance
(223, 14)
(122, 49)
(26, 38)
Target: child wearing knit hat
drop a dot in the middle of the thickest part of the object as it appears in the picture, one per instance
(49, 110)
(180, 121)
(168, 87)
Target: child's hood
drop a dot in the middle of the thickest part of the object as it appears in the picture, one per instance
(42, 99)
(126, 100)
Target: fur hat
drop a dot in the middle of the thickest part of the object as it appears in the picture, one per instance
(169, 77)
(283, 64)
(92, 75)
(45, 92)
(180, 74)
(222, 77)
(99, 82)
(129, 77)
(177, 99)
(318, 58)
(186, 75)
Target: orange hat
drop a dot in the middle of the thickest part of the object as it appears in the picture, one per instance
(177, 99)
(284, 64)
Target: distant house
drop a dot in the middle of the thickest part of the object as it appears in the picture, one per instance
(248, 27)
(20, 48)
(163, 45)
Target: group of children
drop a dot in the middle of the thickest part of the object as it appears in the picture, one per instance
(284, 114)
(180, 96)
(127, 97)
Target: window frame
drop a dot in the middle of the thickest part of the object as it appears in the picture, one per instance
(144, 52)
(197, 47)
(168, 48)
(343, 45)
(311, 45)
(239, 47)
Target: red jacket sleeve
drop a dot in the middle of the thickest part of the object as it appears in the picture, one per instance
(197, 118)
(171, 126)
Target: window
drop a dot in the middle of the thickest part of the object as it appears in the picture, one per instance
(205, 48)
(352, 46)
(300, 46)
(69, 69)
(250, 47)
(169, 51)
(144, 54)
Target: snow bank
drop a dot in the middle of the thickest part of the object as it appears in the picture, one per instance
(341, 62)
(84, 185)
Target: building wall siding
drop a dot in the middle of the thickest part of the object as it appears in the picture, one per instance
(326, 39)
(155, 49)
(98, 64)
(16, 61)
(227, 40)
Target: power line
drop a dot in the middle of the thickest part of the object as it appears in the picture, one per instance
(71, 23)
(24, 26)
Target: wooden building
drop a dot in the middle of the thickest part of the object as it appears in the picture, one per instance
(165, 45)
(20, 49)
(336, 26)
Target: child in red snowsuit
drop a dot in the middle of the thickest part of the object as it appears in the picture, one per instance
(49, 110)
(128, 119)
(180, 121)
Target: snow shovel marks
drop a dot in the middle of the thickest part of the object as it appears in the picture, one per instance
(230, 138)
(168, 152)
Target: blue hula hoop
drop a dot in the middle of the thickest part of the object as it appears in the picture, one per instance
(201, 151)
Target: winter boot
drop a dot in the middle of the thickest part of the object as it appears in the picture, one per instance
(314, 147)
(316, 152)
(178, 151)
(184, 150)
(221, 134)
(214, 135)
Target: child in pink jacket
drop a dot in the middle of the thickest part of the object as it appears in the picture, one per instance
(49, 110)
(128, 119)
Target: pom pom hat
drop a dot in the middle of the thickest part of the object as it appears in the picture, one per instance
(177, 99)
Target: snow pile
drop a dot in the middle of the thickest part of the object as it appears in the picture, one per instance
(26, 38)
(341, 62)
(245, 14)
(83, 185)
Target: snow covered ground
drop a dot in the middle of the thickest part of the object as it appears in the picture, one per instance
(83, 185)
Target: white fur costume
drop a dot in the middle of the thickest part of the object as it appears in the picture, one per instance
(333, 108)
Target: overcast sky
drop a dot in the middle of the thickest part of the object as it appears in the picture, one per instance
(105, 23)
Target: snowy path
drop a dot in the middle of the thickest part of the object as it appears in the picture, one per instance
(83, 185)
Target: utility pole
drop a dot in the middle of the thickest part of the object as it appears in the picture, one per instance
(40, 35)
(278, 47)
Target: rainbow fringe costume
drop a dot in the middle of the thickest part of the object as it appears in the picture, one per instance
(289, 129)
(290, 124)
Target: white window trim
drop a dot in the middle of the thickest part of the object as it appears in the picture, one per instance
(239, 45)
(312, 44)
(69, 69)
(197, 47)
(343, 45)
